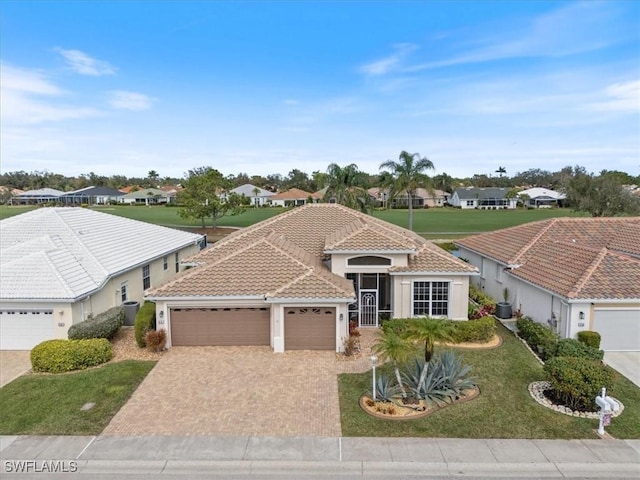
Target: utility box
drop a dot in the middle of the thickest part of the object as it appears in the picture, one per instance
(503, 310)
(130, 311)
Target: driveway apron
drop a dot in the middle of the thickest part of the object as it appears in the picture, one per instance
(13, 363)
(235, 391)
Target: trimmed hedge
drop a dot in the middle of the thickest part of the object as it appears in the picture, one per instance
(57, 356)
(590, 338)
(540, 338)
(145, 321)
(480, 330)
(103, 325)
(577, 381)
(568, 347)
(482, 299)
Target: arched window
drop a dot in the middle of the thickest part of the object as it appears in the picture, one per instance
(368, 260)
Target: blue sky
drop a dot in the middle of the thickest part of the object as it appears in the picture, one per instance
(264, 87)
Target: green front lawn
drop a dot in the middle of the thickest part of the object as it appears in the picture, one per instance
(42, 404)
(503, 410)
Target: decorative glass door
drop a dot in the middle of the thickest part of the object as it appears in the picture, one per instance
(368, 308)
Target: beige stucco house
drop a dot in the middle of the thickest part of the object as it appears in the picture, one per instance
(295, 281)
(58, 265)
(572, 274)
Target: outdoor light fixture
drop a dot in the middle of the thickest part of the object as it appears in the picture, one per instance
(581, 315)
(341, 317)
(374, 360)
(161, 313)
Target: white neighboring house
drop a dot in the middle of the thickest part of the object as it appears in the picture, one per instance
(483, 198)
(572, 274)
(541, 197)
(58, 265)
(146, 196)
(258, 196)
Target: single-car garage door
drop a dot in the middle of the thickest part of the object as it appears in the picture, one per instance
(309, 328)
(219, 326)
(24, 329)
(619, 329)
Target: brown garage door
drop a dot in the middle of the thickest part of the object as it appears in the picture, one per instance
(309, 328)
(220, 326)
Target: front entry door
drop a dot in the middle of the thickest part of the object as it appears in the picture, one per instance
(368, 308)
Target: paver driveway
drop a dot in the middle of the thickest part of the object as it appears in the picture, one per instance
(237, 391)
(13, 363)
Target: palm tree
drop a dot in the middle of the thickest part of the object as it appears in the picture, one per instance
(501, 170)
(396, 348)
(408, 175)
(429, 330)
(347, 185)
(256, 192)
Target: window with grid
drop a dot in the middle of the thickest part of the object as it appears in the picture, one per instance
(165, 262)
(146, 277)
(431, 299)
(177, 263)
(123, 291)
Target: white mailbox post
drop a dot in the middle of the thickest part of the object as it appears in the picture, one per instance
(607, 406)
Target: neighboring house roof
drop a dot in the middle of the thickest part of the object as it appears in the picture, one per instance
(538, 192)
(66, 253)
(420, 192)
(578, 258)
(472, 193)
(146, 193)
(248, 190)
(291, 194)
(281, 257)
(42, 192)
(13, 191)
(93, 192)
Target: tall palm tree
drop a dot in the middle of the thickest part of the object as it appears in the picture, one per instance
(395, 348)
(347, 185)
(429, 330)
(256, 192)
(408, 174)
(501, 171)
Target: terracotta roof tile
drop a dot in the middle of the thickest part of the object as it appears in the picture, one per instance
(590, 258)
(291, 194)
(282, 256)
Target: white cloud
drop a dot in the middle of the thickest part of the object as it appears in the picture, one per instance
(291, 102)
(574, 28)
(622, 97)
(387, 64)
(83, 64)
(124, 100)
(28, 97)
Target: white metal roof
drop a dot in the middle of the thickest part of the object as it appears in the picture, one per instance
(536, 192)
(65, 253)
(248, 191)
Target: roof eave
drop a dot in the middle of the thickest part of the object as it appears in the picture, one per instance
(432, 272)
(311, 300)
(377, 252)
(204, 297)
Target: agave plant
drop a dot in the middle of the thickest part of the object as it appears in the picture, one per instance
(435, 387)
(385, 389)
(455, 373)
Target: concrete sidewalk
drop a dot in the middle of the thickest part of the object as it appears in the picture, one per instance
(252, 457)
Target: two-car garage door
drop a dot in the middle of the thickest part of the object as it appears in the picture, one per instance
(24, 329)
(312, 328)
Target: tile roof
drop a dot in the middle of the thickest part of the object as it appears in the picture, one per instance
(472, 193)
(282, 256)
(590, 258)
(291, 194)
(65, 253)
(248, 190)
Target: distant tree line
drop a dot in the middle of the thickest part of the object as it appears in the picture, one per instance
(600, 195)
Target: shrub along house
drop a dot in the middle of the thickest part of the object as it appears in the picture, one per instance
(295, 280)
(58, 265)
(572, 274)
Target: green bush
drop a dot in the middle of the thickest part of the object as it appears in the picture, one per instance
(57, 356)
(145, 321)
(103, 325)
(577, 381)
(589, 338)
(568, 347)
(540, 338)
(482, 299)
(480, 330)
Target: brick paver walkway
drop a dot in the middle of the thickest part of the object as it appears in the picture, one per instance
(239, 391)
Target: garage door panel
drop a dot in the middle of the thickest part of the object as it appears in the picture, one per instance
(619, 329)
(23, 330)
(310, 328)
(221, 327)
